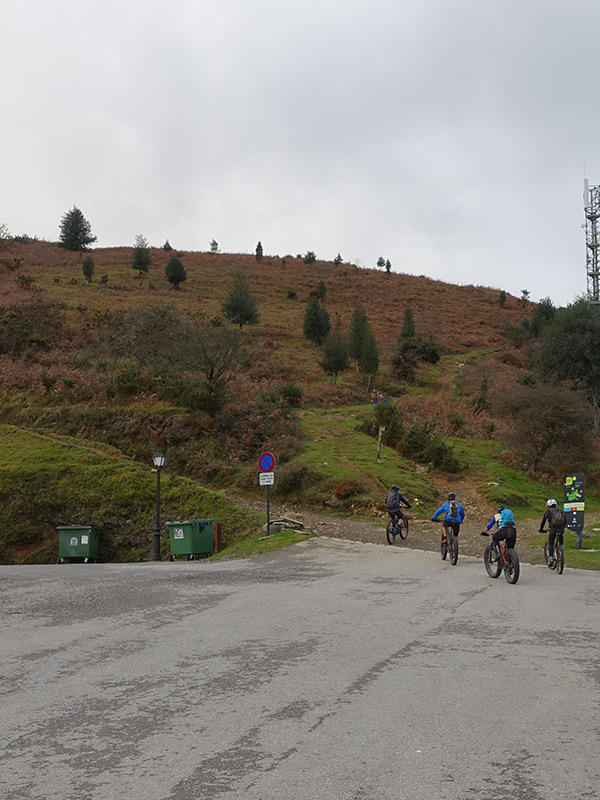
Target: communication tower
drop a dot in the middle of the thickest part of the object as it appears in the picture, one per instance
(591, 204)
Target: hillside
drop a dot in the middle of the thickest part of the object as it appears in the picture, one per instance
(111, 363)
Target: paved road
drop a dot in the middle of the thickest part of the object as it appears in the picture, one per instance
(328, 671)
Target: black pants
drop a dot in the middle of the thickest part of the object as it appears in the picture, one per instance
(451, 523)
(506, 532)
(553, 533)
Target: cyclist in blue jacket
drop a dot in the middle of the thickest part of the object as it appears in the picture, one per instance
(454, 514)
(507, 527)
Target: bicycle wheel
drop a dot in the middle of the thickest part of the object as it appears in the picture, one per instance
(389, 532)
(403, 528)
(512, 568)
(453, 548)
(444, 548)
(492, 563)
(559, 557)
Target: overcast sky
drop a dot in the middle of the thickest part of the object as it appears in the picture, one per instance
(448, 136)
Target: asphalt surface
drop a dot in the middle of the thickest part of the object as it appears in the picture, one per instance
(330, 670)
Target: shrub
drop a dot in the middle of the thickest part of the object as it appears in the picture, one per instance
(126, 380)
(385, 415)
(291, 393)
(347, 488)
(292, 477)
(423, 445)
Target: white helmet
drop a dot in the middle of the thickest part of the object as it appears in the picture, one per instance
(550, 503)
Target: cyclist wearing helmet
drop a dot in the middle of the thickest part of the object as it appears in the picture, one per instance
(393, 503)
(507, 527)
(454, 515)
(556, 527)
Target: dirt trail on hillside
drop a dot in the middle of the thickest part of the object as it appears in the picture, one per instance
(423, 535)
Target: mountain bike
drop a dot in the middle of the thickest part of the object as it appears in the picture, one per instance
(449, 545)
(397, 526)
(501, 559)
(558, 562)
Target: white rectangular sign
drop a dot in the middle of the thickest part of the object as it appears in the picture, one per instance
(267, 479)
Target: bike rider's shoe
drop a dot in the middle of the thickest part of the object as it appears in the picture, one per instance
(551, 563)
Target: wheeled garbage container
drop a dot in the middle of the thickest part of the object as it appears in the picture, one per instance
(77, 543)
(191, 538)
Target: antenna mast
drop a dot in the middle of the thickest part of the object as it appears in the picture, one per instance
(591, 204)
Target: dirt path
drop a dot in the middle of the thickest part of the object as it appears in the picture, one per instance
(423, 535)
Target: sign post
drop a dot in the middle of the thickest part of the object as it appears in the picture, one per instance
(267, 478)
(574, 504)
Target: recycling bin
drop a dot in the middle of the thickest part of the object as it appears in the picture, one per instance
(77, 542)
(191, 538)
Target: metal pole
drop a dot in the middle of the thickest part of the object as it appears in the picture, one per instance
(268, 519)
(156, 554)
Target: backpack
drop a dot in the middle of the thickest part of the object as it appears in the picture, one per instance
(556, 518)
(391, 501)
(453, 508)
(507, 518)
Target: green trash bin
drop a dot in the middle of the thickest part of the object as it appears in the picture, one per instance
(191, 538)
(80, 542)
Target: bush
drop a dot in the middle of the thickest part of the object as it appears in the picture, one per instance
(126, 380)
(293, 477)
(347, 488)
(291, 393)
(421, 444)
(385, 415)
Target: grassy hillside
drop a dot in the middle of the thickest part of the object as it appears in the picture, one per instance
(46, 483)
(106, 408)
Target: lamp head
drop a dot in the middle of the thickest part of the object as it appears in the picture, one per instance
(158, 459)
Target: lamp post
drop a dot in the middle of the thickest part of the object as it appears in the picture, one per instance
(159, 462)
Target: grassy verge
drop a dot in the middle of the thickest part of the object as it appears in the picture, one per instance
(45, 483)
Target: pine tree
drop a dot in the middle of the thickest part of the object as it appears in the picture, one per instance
(335, 353)
(368, 361)
(388, 266)
(175, 272)
(87, 268)
(75, 231)
(337, 260)
(408, 324)
(141, 258)
(381, 262)
(214, 246)
(310, 257)
(259, 251)
(358, 326)
(316, 322)
(240, 307)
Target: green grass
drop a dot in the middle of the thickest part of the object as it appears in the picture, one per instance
(260, 543)
(45, 483)
(337, 452)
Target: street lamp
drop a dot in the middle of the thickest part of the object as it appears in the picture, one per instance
(159, 462)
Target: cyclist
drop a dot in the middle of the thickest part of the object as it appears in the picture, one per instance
(507, 527)
(556, 527)
(393, 504)
(454, 515)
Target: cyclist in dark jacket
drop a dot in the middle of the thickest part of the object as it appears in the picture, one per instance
(556, 527)
(454, 515)
(393, 503)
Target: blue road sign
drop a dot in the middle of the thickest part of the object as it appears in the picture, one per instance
(266, 462)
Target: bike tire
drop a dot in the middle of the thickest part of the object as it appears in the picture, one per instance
(512, 568)
(546, 553)
(444, 549)
(403, 528)
(492, 563)
(389, 532)
(453, 549)
(559, 557)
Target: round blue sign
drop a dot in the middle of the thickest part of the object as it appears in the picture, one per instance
(266, 462)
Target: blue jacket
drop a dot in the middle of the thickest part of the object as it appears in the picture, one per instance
(445, 509)
(501, 519)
